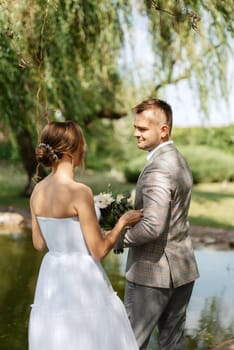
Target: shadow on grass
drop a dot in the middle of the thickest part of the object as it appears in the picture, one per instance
(201, 196)
(203, 220)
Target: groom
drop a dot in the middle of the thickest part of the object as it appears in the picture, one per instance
(161, 267)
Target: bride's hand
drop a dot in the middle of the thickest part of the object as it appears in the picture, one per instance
(131, 217)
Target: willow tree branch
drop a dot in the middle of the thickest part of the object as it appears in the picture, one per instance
(176, 80)
(181, 16)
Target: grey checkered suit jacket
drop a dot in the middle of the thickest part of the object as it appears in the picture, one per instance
(160, 248)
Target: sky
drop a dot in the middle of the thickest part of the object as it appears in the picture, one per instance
(180, 96)
(186, 113)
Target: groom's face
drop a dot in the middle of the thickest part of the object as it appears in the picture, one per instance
(149, 129)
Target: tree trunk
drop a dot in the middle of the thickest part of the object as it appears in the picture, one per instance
(27, 153)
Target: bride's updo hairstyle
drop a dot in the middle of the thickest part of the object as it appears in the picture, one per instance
(58, 138)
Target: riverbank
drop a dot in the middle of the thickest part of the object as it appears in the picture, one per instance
(212, 236)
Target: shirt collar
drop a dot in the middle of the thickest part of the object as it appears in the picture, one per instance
(150, 153)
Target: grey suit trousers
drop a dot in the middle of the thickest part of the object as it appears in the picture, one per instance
(148, 307)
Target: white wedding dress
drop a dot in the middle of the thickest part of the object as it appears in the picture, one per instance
(75, 307)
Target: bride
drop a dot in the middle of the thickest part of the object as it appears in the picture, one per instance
(75, 307)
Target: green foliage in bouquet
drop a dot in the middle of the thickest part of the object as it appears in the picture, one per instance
(112, 206)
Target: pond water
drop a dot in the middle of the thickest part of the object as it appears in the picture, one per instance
(210, 313)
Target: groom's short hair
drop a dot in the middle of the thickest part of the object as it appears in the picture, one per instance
(154, 104)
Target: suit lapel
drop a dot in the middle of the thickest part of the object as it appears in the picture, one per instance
(146, 164)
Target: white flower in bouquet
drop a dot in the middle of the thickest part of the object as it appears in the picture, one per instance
(103, 200)
(112, 206)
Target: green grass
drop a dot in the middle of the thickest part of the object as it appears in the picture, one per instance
(103, 182)
(212, 203)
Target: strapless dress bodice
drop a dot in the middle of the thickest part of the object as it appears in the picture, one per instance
(63, 235)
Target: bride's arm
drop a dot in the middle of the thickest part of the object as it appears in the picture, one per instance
(37, 238)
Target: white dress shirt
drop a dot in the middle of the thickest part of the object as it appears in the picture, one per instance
(150, 153)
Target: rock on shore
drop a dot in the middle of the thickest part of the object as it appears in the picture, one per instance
(14, 220)
(227, 345)
(11, 223)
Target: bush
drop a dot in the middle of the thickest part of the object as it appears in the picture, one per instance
(8, 151)
(135, 165)
(221, 138)
(209, 164)
(131, 175)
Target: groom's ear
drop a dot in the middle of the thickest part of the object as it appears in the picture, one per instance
(164, 131)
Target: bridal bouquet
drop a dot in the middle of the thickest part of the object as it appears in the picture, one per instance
(112, 206)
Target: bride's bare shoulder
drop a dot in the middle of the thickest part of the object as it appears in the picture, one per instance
(37, 187)
(82, 188)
